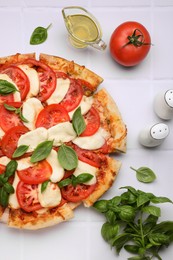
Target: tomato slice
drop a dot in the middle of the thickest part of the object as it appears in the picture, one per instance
(10, 139)
(37, 173)
(8, 119)
(1, 152)
(27, 195)
(14, 104)
(20, 79)
(52, 115)
(88, 156)
(73, 96)
(7, 98)
(77, 193)
(92, 120)
(47, 79)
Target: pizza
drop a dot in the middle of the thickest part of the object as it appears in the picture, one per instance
(57, 134)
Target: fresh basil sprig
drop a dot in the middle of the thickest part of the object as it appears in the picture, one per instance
(21, 150)
(5, 187)
(74, 180)
(17, 111)
(6, 87)
(144, 174)
(67, 157)
(78, 121)
(39, 35)
(132, 223)
(42, 151)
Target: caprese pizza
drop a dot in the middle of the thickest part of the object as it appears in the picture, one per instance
(56, 134)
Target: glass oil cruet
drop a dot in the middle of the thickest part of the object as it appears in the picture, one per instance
(83, 28)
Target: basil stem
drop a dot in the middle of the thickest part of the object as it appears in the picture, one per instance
(39, 35)
(44, 186)
(144, 174)
(42, 151)
(6, 87)
(21, 150)
(67, 157)
(78, 121)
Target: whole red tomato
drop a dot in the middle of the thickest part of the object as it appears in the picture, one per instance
(130, 43)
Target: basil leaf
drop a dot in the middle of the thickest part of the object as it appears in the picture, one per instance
(144, 174)
(8, 188)
(20, 151)
(64, 182)
(42, 151)
(22, 117)
(44, 186)
(6, 87)
(101, 205)
(67, 157)
(127, 213)
(10, 168)
(155, 211)
(78, 121)
(10, 108)
(4, 196)
(160, 200)
(84, 177)
(109, 231)
(39, 35)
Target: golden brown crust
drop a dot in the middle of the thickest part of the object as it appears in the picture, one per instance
(32, 221)
(105, 180)
(17, 58)
(111, 121)
(73, 69)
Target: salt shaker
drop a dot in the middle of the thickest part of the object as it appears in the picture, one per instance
(153, 135)
(163, 104)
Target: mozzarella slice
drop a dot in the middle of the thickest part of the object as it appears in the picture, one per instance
(13, 201)
(51, 196)
(86, 168)
(33, 138)
(4, 160)
(92, 142)
(57, 170)
(16, 93)
(31, 109)
(85, 104)
(33, 79)
(60, 133)
(24, 163)
(62, 87)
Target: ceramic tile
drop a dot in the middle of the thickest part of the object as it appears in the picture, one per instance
(10, 3)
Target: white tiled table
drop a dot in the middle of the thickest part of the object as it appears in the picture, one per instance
(133, 89)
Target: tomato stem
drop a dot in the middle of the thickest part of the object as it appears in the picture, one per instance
(136, 39)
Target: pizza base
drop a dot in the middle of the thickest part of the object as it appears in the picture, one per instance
(73, 69)
(111, 121)
(17, 58)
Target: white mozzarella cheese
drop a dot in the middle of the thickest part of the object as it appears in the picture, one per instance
(92, 142)
(16, 93)
(33, 138)
(33, 79)
(51, 196)
(57, 170)
(4, 160)
(86, 168)
(85, 104)
(62, 87)
(31, 109)
(60, 133)
(13, 201)
(1, 133)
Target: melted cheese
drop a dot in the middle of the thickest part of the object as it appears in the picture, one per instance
(33, 138)
(13, 202)
(60, 133)
(62, 87)
(85, 104)
(24, 163)
(92, 142)
(4, 160)
(51, 196)
(33, 80)
(16, 93)
(57, 170)
(31, 109)
(86, 168)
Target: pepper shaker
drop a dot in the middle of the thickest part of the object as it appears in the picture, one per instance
(163, 104)
(153, 135)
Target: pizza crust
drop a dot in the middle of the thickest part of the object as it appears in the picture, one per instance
(111, 121)
(73, 69)
(24, 220)
(17, 58)
(105, 180)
